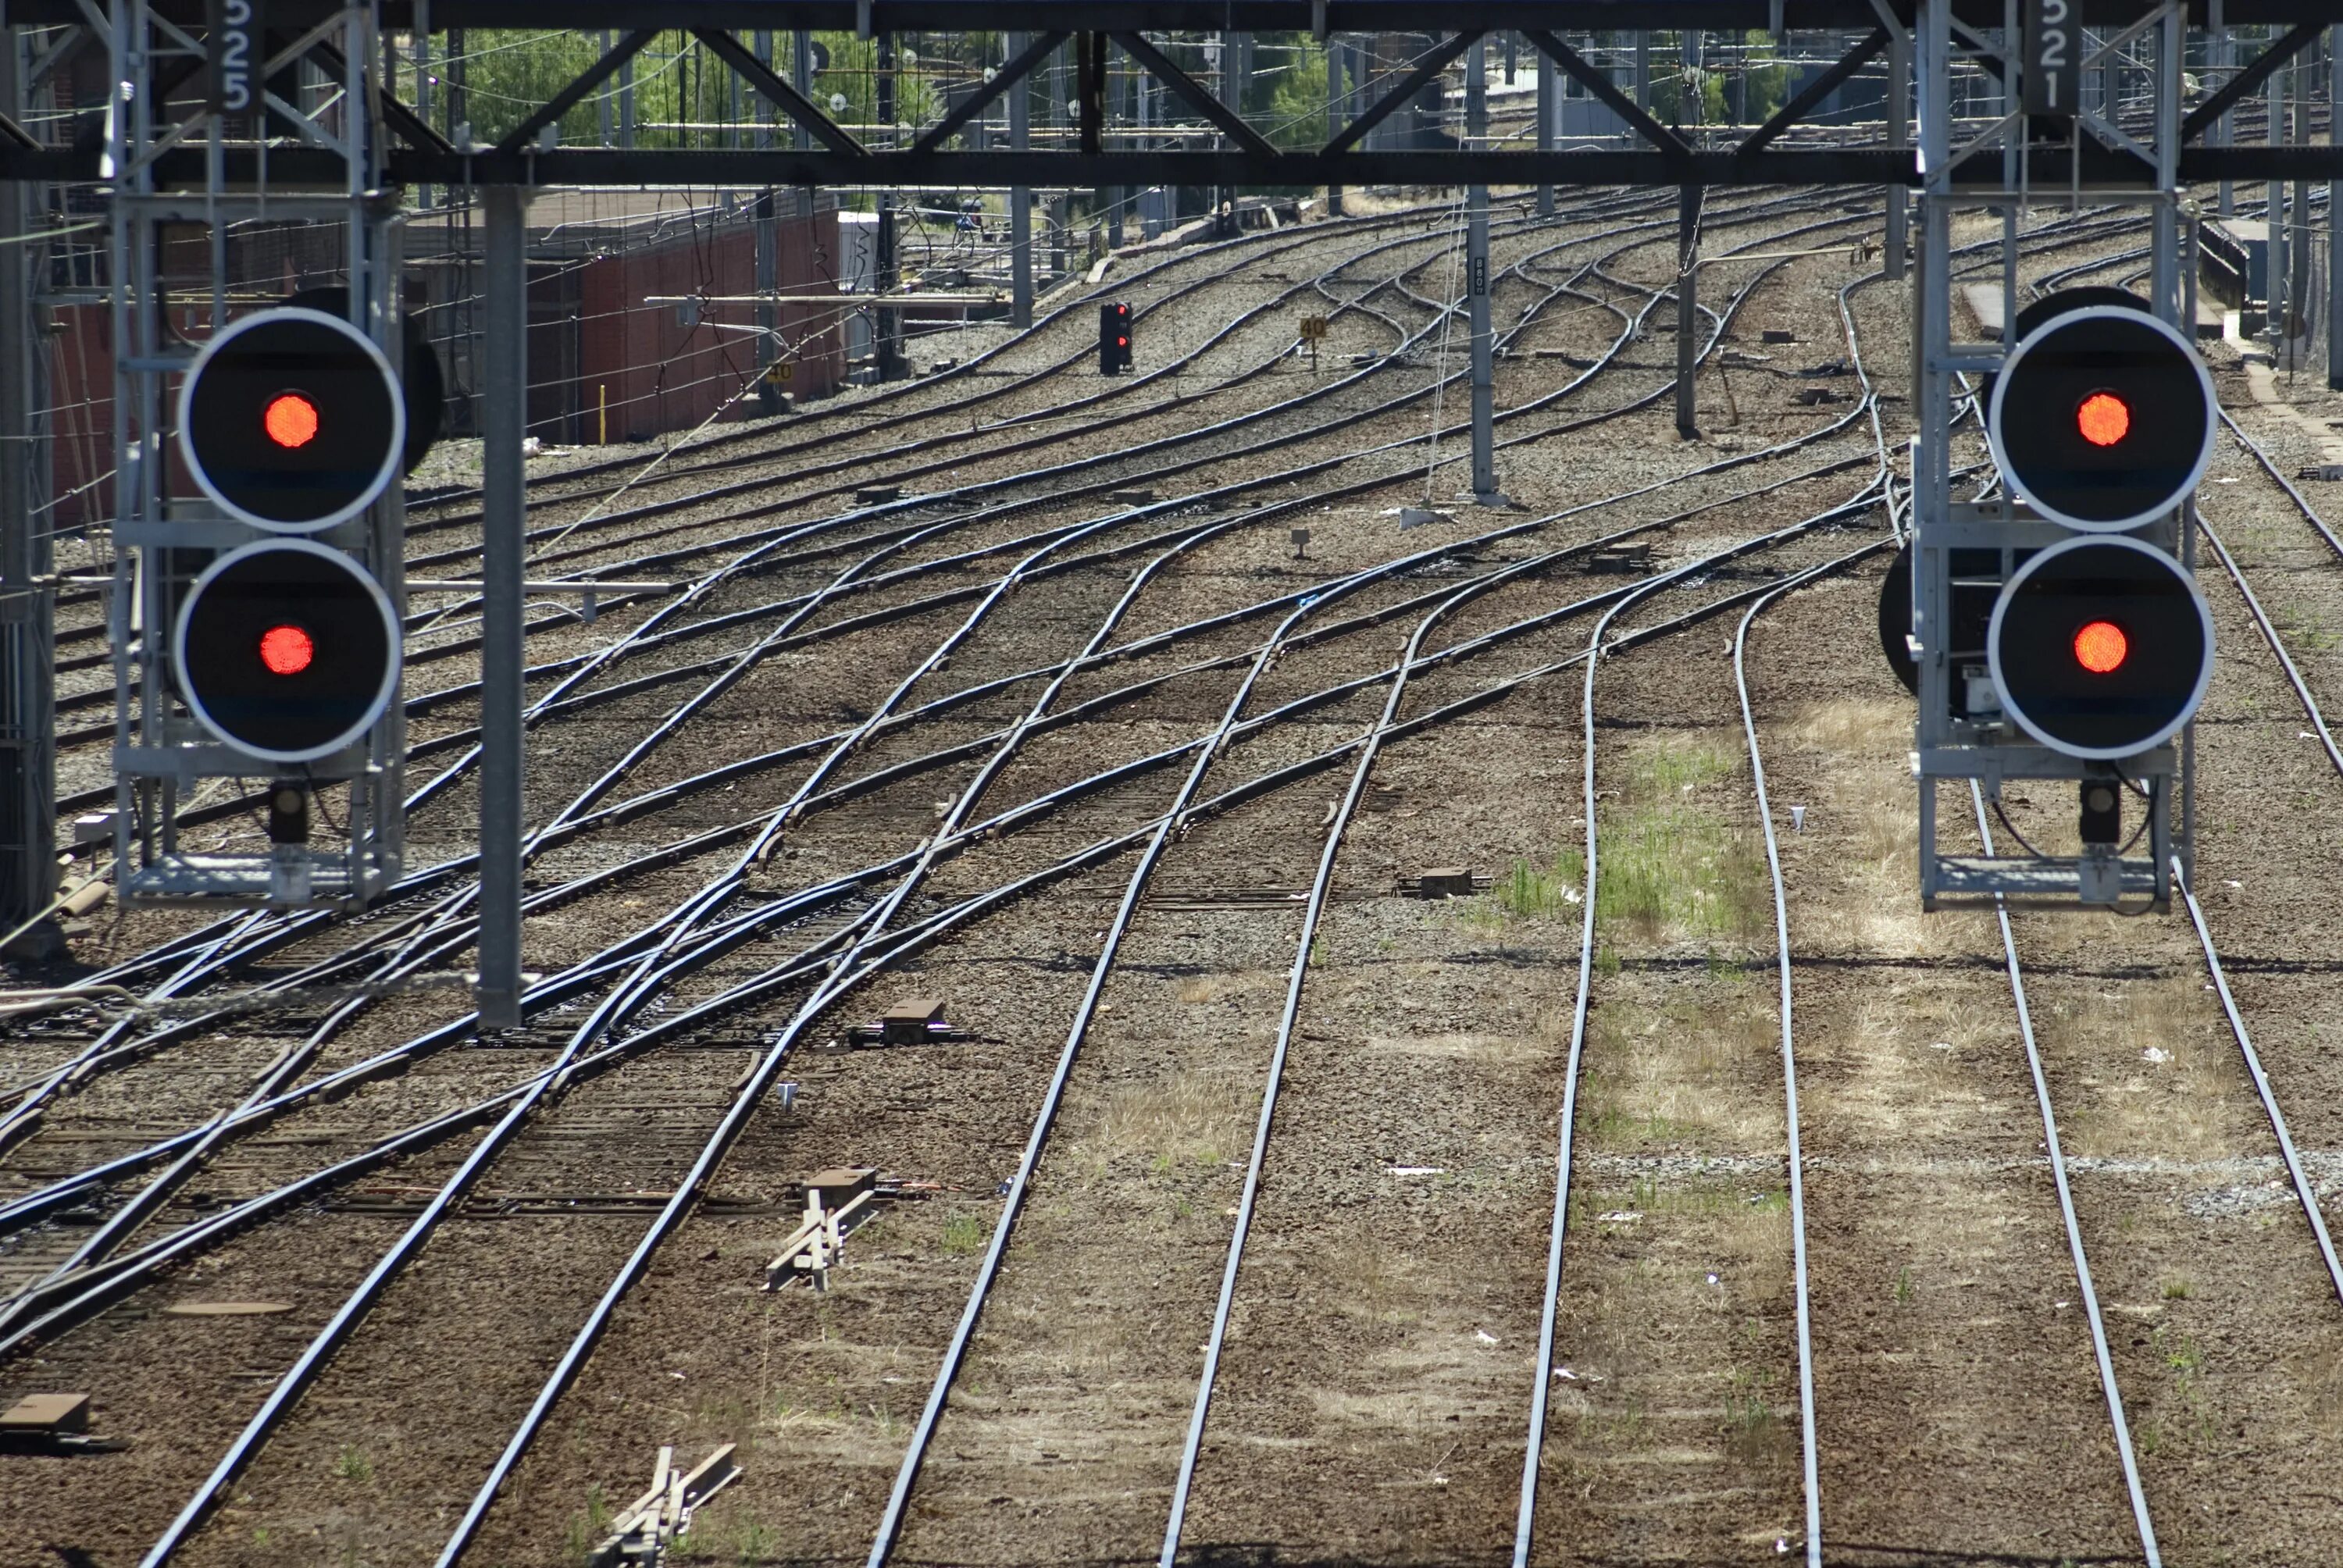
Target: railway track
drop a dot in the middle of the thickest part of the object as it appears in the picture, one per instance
(1080, 721)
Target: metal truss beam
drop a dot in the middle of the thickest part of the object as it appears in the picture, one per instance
(1600, 85)
(1821, 88)
(1431, 65)
(292, 168)
(779, 93)
(601, 71)
(1231, 124)
(984, 98)
(1319, 18)
(2201, 118)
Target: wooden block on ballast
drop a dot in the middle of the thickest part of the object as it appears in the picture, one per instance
(910, 1020)
(42, 1414)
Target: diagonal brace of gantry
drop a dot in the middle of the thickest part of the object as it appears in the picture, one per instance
(778, 92)
(1595, 82)
(984, 98)
(1231, 125)
(1431, 65)
(2202, 116)
(562, 102)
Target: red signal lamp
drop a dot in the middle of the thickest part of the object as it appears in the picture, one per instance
(291, 421)
(2103, 418)
(2101, 647)
(286, 649)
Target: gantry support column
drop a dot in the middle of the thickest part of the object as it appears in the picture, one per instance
(1687, 307)
(28, 870)
(1020, 202)
(504, 509)
(1476, 286)
(1898, 240)
(2334, 214)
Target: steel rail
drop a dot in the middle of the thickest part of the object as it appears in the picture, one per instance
(1810, 1477)
(2304, 1191)
(2088, 1292)
(112, 1231)
(30, 1206)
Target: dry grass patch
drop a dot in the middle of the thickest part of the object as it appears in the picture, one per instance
(1681, 1071)
(2160, 1063)
(1188, 1118)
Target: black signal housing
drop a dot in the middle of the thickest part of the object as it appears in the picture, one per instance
(353, 440)
(2102, 418)
(286, 649)
(1114, 338)
(2100, 646)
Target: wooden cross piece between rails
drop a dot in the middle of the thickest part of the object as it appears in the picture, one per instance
(650, 1525)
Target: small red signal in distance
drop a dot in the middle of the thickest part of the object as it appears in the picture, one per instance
(290, 419)
(2103, 418)
(286, 649)
(2101, 647)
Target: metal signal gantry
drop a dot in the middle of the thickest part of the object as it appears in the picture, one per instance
(257, 595)
(2054, 630)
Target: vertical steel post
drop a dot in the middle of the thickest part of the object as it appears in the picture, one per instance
(1020, 202)
(1549, 111)
(802, 78)
(2278, 286)
(1643, 72)
(2224, 129)
(1898, 241)
(2299, 241)
(2334, 213)
(503, 518)
(28, 869)
(887, 265)
(602, 97)
(1334, 114)
(1476, 283)
(1687, 307)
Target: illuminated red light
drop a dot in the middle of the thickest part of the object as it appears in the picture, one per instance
(2101, 647)
(291, 421)
(286, 649)
(2103, 418)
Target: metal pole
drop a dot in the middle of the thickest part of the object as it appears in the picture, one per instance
(2298, 241)
(503, 518)
(802, 78)
(2224, 129)
(1334, 116)
(2334, 213)
(602, 100)
(1642, 73)
(1899, 102)
(28, 869)
(1687, 309)
(1549, 110)
(626, 101)
(1476, 288)
(1021, 203)
(2278, 287)
(887, 265)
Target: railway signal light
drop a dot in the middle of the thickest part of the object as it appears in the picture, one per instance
(1114, 338)
(2102, 418)
(292, 420)
(2100, 646)
(286, 651)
